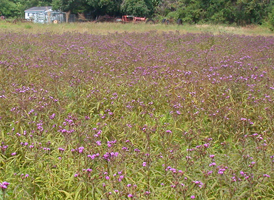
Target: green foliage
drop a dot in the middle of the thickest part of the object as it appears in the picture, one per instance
(191, 13)
(9, 8)
(28, 26)
(137, 7)
(102, 7)
(75, 6)
(218, 11)
(172, 15)
(271, 19)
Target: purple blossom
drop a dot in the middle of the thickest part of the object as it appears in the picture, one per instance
(199, 183)
(113, 88)
(4, 185)
(52, 116)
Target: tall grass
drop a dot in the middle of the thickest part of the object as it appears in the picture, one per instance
(145, 115)
(105, 28)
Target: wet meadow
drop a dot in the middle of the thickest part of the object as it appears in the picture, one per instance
(136, 115)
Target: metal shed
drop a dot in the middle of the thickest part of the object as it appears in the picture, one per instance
(44, 15)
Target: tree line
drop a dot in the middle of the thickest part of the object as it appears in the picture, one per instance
(238, 12)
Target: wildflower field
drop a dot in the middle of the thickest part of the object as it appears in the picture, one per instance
(136, 116)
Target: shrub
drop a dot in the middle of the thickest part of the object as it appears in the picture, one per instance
(28, 26)
(271, 20)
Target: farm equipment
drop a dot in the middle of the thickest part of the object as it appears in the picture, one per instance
(171, 21)
(124, 19)
(131, 18)
(105, 18)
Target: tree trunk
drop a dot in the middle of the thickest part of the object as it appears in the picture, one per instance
(67, 16)
(49, 19)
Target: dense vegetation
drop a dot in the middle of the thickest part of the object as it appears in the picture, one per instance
(124, 116)
(237, 12)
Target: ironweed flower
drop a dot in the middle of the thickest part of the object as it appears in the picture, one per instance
(80, 149)
(89, 170)
(52, 116)
(4, 185)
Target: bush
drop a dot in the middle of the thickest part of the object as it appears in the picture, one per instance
(271, 20)
(218, 17)
(137, 8)
(173, 15)
(28, 26)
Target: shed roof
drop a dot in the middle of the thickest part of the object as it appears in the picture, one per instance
(38, 9)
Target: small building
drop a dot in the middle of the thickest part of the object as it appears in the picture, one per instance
(44, 15)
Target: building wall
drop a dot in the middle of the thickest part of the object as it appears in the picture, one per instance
(38, 17)
(42, 17)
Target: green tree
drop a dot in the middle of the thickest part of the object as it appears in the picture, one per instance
(271, 19)
(137, 7)
(34, 3)
(16, 8)
(111, 7)
(241, 12)
(69, 6)
(10, 8)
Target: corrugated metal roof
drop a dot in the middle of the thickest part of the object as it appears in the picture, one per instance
(34, 9)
